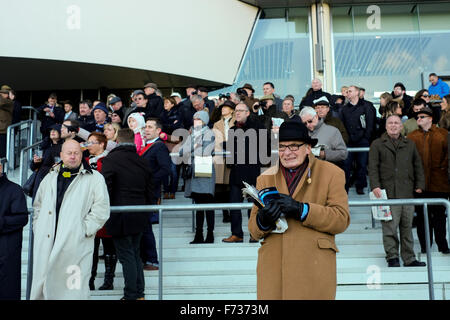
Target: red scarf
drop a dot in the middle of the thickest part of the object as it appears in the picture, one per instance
(293, 176)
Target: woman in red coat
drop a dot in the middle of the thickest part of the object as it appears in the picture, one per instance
(96, 145)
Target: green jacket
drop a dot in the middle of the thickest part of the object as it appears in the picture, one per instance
(399, 171)
(6, 114)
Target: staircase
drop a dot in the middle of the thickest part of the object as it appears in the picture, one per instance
(228, 271)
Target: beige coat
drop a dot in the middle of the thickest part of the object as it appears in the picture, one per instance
(301, 262)
(222, 172)
(62, 265)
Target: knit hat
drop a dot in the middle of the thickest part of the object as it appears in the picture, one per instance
(202, 115)
(101, 106)
(295, 131)
(139, 117)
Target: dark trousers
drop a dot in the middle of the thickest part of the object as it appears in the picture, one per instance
(200, 214)
(108, 249)
(2, 145)
(127, 249)
(436, 220)
(171, 182)
(360, 158)
(222, 196)
(148, 246)
(10, 265)
(236, 215)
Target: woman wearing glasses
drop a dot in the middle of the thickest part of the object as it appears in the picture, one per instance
(96, 145)
(425, 95)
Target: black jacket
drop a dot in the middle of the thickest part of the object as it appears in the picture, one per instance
(87, 122)
(47, 121)
(359, 122)
(249, 169)
(129, 181)
(158, 160)
(155, 106)
(13, 217)
(171, 120)
(307, 101)
(186, 111)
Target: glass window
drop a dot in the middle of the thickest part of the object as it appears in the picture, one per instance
(435, 40)
(376, 46)
(280, 52)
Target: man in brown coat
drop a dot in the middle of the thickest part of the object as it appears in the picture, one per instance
(432, 144)
(301, 262)
(6, 115)
(396, 166)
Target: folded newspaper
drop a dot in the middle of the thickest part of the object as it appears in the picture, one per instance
(381, 212)
(263, 197)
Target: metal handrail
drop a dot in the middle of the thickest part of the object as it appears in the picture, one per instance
(10, 140)
(239, 206)
(23, 169)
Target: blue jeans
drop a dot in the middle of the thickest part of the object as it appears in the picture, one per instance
(360, 170)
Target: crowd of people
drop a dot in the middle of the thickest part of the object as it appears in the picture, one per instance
(137, 154)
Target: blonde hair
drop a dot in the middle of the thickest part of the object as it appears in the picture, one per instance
(116, 128)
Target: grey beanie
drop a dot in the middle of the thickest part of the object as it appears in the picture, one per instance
(202, 115)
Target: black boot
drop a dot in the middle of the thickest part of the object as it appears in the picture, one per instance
(93, 273)
(198, 238)
(110, 268)
(209, 237)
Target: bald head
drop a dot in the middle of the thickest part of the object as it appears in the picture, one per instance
(71, 154)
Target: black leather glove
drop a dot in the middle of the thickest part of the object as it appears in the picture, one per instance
(292, 208)
(267, 216)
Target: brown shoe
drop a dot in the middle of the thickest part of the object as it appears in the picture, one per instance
(166, 195)
(172, 196)
(233, 238)
(150, 267)
(140, 298)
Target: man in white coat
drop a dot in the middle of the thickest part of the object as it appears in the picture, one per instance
(71, 204)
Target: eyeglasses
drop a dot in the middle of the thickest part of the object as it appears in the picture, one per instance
(240, 110)
(291, 147)
(426, 95)
(422, 117)
(308, 121)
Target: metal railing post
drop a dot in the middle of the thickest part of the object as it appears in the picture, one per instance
(30, 257)
(427, 244)
(160, 270)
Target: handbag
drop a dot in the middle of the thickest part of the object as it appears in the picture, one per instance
(29, 184)
(186, 172)
(203, 166)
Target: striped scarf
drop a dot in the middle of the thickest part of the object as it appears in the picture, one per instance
(293, 176)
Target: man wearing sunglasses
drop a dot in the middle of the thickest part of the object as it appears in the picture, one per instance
(432, 144)
(301, 262)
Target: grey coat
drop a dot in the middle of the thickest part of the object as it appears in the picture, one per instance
(335, 148)
(201, 145)
(399, 171)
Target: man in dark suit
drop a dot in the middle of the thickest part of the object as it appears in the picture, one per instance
(158, 160)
